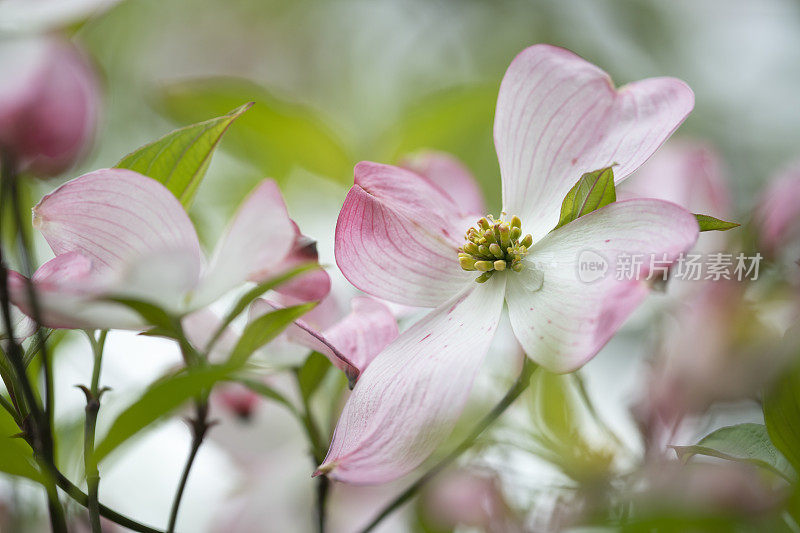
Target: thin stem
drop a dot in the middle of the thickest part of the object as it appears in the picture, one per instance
(92, 408)
(317, 456)
(77, 494)
(199, 428)
(26, 257)
(92, 472)
(513, 393)
(323, 484)
(39, 425)
(14, 352)
(97, 350)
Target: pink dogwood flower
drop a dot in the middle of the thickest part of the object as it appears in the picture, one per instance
(401, 237)
(49, 103)
(117, 233)
(688, 173)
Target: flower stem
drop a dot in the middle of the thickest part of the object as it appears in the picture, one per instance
(92, 408)
(317, 456)
(199, 426)
(39, 424)
(519, 386)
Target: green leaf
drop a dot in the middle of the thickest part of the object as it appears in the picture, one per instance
(180, 159)
(275, 136)
(747, 443)
(311, 374)
(159, 400)
(457, 120)
(782, 415)
(16, 457)
(594, 190)
(265, 328)
(708, 223)
(150, 313)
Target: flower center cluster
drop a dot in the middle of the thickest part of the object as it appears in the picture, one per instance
(493, 246)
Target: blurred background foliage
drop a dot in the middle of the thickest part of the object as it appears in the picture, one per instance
(338, 81)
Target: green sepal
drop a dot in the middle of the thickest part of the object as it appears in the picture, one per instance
(592, 191)
(709, 223)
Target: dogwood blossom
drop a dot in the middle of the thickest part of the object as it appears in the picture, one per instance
(401, 237)
(117, 233)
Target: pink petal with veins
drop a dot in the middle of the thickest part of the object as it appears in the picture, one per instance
(452, 176)
(558, 116)
(397, 237)
(349, 344)
(365, 332)
(66, 288)
(113, 217)
(567, 314)
(257, 240)
(409, 398)
(309, 287)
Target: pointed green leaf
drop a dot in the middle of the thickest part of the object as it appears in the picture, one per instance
(265, 328)
(592, 191)
(180, 159)
(311, 374)
(159, 400)
(748, 443)
(275, 136)
(708, 223)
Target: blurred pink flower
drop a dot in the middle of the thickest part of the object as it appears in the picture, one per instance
(399, 233)
(471, 499)
(715, 348)
(49, 102)
(117, 233)
(731, 488)
(686, 173)
(236, 399)
(778, 212)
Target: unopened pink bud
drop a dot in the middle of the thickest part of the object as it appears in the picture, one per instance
(237, 400)
(48, 103)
